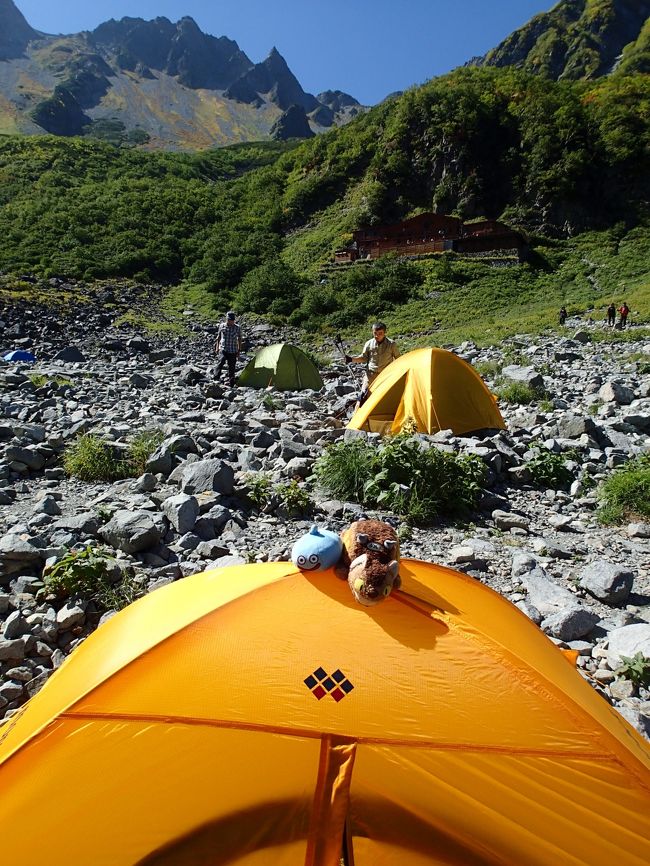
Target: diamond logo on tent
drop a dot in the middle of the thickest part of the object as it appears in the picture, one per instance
(336, 685)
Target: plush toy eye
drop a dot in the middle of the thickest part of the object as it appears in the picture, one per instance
(372, 545)
(387, 590)
(302, 560)
(313, 558)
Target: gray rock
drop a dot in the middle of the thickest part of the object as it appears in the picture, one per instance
(299, 467)
(613, 392)
(225, 561)
(640, 721)
(461, 553)
(621, 689)
(638, 530)
(525, 375)
(86, 523)
(48, 505)
(18, 551)
(146, 483)
(11, 691)
(70, 355)
(546, 595)
(522, 563)
(31, 458)
(15, 626)
(607, 582)
(131, 531)
(572, 427)
(12, 650)
(181, 511)
(628, 641)
(139, 382)
(570, 624)
(505, 520)
(208, 475)
(531, 612)
(70, 615)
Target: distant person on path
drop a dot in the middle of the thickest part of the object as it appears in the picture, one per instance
(228, 345)
(377, 354)
(562, 315)
(624, 313)
(611, 315)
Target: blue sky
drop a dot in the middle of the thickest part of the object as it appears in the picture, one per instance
(368, 48)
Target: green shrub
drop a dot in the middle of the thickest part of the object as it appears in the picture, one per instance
(636, 669)
(626, 493)
(90, 574)
(92, 458)
(259, 488)
(549, 470)
(293, 499)
(402, 476)
(289, 498)
(518, 393)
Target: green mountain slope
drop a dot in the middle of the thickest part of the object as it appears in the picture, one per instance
(556, 158)
(636, 55)
(577, 39)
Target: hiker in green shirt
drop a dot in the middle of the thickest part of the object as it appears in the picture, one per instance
(377, 354)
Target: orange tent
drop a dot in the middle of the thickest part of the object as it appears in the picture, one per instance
(257, 715)
(433, 389)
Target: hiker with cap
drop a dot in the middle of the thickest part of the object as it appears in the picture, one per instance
(228, 345)
(377, 354)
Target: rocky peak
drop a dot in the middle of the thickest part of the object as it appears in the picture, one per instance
(180, 49)
(15, 32)
(272, 77)
(292, 124)
(337, 100)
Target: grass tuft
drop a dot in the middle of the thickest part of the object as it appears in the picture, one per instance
(92, 458)
(518, 393)
(626, 494)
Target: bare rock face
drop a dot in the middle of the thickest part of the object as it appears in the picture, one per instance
(15, 32)
(292, 124)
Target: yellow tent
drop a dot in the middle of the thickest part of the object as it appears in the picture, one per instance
(257, 715)
(433, 388)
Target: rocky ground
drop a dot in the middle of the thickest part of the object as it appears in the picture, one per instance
(587, 586)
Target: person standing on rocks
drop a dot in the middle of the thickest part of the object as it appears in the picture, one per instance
(563, 315)
(377, 354)
(624, 312)
(611, 315)
(228, 345)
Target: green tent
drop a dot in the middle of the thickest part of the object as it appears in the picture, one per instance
(284, 366)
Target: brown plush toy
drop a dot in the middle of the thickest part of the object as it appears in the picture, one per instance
(369, 560)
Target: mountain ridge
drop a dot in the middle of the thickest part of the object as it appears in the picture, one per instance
(159, 82)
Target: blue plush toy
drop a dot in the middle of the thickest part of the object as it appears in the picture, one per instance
(318, 550)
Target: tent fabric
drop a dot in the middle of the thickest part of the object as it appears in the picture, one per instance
(432, 388)
(19, 355)
(258, 714)
(283, 366)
